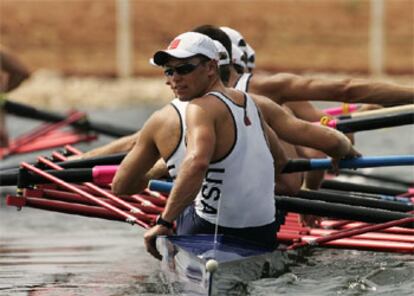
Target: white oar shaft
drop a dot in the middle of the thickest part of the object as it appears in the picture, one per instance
(403, 108)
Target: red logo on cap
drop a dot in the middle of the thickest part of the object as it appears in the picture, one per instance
(174, 44)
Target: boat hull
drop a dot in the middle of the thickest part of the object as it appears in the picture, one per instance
(185, 257)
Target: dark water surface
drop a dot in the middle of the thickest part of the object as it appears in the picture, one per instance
(45, 253)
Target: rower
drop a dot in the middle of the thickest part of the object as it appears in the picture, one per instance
(213, 141)
(287, 127)
(13, 73)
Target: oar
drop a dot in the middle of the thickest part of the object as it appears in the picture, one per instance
(351, 186)
(98, 174)
(382, 111)
(393, 198)
(27, 111)
(356, 201)
(370, 123)
(318, 208)
(296, 165)
(343, 109)
(112, 159)
(102, 174)
(352, 232)
(377, 177)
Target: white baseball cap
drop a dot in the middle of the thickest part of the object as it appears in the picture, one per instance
(187, 45)
(235, 37)
(251, 56)
(237, 56)
(224, 58)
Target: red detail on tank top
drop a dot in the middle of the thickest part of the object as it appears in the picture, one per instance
(247, 120)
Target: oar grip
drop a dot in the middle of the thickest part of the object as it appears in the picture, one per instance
(297, 165)
(104, 174)
(160, 186)
(344, 109)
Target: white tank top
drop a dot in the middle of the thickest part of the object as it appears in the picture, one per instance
(243, 82)
(242, 181)
(176, 158)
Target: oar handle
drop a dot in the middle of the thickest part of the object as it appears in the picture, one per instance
(160, 186)
(112, 159)
(299, 165)
(344, 109)
(99, 174)
(357, 124)
(362, 162)
(104, 174)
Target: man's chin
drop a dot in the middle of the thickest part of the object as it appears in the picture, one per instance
(184, 98)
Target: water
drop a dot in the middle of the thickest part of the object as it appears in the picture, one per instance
(45, 253)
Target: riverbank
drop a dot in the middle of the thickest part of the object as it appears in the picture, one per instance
(55, 91)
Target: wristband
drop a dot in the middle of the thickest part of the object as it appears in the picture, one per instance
(161, 221)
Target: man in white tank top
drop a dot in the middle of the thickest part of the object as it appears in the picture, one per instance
(218, 146)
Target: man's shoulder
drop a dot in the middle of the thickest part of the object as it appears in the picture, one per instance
(162, 115)
(265, 77)
(209, 104)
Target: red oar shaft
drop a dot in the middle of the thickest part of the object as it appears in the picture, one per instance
(104, 193)
(369, 235)
(352, 232)
(353, 243)
(46, 128)
(129, 218)
(353, 224)
(141, 204)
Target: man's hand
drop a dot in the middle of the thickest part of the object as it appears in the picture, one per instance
(151, 235)
(352, 153)
(310, 221)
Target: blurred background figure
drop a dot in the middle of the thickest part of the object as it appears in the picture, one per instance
(13, 72)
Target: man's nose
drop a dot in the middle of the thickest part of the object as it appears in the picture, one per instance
(176, 76)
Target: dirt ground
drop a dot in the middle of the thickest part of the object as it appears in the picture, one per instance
(77, 37)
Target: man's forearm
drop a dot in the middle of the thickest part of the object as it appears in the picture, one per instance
(123, 144)
(385, 94)
(186, 187)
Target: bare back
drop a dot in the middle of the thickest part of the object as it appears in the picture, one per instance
(168, 133)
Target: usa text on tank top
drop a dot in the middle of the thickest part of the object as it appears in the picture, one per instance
(242, 181)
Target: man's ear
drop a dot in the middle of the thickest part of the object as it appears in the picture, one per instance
(212, 67)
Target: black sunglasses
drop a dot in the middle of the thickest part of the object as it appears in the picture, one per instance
(182, 69)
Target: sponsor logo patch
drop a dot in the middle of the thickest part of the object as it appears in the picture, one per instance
(174, 44)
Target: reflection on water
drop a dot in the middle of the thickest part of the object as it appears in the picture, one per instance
(47, 254)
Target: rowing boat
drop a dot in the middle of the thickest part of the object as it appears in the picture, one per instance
(205, 265)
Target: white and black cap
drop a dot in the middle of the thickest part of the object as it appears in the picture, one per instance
(251, 56)
(224, 58)
(238, 56)
(187, 45)
(235, 37)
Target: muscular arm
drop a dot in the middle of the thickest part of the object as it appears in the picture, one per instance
(285, 183)
(131, 177)
(286, 87)
(299, 132)
(305, 111)
(123, 144)
(201, 139)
